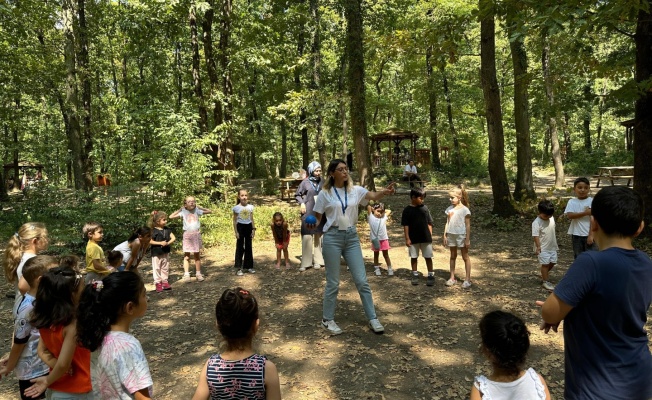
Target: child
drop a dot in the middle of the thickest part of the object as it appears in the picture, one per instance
(377, 218)
(578, 210)
(190, 212)
(604, 299)
(162, 238)
(245, 230)
(23, 358)
(457, 233)
(133, 249)
(114, 259)
(417, 226)
(545, 240)
(96, 268)
(54, 316)
(281, 235)
(505, 343)
(30, 239)
(119, 369)
(237, 372)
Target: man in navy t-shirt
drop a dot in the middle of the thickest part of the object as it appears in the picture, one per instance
(603, 300)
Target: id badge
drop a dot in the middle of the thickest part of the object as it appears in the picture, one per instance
(343, 223)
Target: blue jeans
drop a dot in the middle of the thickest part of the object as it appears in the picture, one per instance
(335, 244)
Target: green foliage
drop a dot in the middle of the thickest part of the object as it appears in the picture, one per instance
(587, 163)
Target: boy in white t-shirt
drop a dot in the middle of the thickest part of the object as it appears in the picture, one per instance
(545, 240)
(578, 210)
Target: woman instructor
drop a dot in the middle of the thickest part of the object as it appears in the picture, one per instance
(311, 255)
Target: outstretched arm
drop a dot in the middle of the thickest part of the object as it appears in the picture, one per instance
(380, 194)
(176, 214)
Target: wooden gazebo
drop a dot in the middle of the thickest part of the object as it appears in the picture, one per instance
(629, 133)
(397, 154)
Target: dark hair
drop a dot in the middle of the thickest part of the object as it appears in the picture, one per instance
(546, 207)
(55, 297)
(142, 231)
(278, 214)
(417, 191)
(506, 338)
(236, 313)
(237, 198)
(618, 210)
(379, 206)
(70, 261)
(113, 255)
(36, 267)
(102, 303)
(581, 179)
(330, 181)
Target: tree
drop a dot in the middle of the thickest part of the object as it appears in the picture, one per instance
(551, 112)
(493, 111)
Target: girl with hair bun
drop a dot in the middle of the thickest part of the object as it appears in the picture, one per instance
(119, 369)
(505, 343)
(238, 372)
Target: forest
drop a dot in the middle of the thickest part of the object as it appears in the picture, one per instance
(191, 95)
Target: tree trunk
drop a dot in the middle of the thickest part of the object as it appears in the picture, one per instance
(316, 79)
(211, 68)
(493, 113)
(643, 114)
(196, 77)
(85, 78)
(342, 111)
(356, 78)
(284, 150)
(457, 155)
(588, 106)
(552, 120)
(524, 187)
(432, 112)
(16, 146)
(568, 147)
(226, 155)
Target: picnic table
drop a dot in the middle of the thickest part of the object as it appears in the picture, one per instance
(613, 173)
(289, 187)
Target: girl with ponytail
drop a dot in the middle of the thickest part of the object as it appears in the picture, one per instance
(119, 369)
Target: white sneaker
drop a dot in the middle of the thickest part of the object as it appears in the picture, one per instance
(451, 282)
(375, 326)
(251, 271)
(186, 278)
(390, 271)
(466, 284)
(301, 269)
(332, 327)
(316, 266)
(200, 277)
(548, 286)
(240, 272)
(377, 271)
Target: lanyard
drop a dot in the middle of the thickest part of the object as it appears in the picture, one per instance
(346, 200)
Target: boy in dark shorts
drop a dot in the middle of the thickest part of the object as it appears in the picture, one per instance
(417, 226)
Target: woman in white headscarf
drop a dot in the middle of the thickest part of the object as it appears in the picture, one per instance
(310, 238)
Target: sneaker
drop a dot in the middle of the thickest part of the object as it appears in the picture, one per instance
(377, 271)
(251, 271)
(548, 286)
(375, 326)
(390, 271)
(415, 279)
(451, 282)
(159, 287)
(166, 286)
(316, 266)
(186, 278)
(466, 284)
(332, 327)
(240, 272)
(200, 277)
(431, 280)
(301, 269)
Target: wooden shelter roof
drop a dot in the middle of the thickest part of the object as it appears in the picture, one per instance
(394, 134)
(22, 164)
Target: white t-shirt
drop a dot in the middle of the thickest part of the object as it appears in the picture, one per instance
(545, 230)
(244, 213)
(579, 226)
(191, 219)
(407, 169)
(119, 367)
(457, 219)
(329, 205)
(529, 387)
(377, 227)
(29, 365)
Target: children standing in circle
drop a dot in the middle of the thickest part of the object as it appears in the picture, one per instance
(281, 235)
(417, 227)
(505, 342)
(578, 210)
(238, 372)
(54, 316)
(119, 369)
(133, 249)
(377, 218)
(545, 240)
(96, 268)
(457, 232)
(190, 212)
(162, 238)
(245, 230)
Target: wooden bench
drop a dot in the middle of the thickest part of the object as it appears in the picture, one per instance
(288, 187)
(613, 173)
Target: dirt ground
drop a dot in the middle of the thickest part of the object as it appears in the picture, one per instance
(430, 346)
